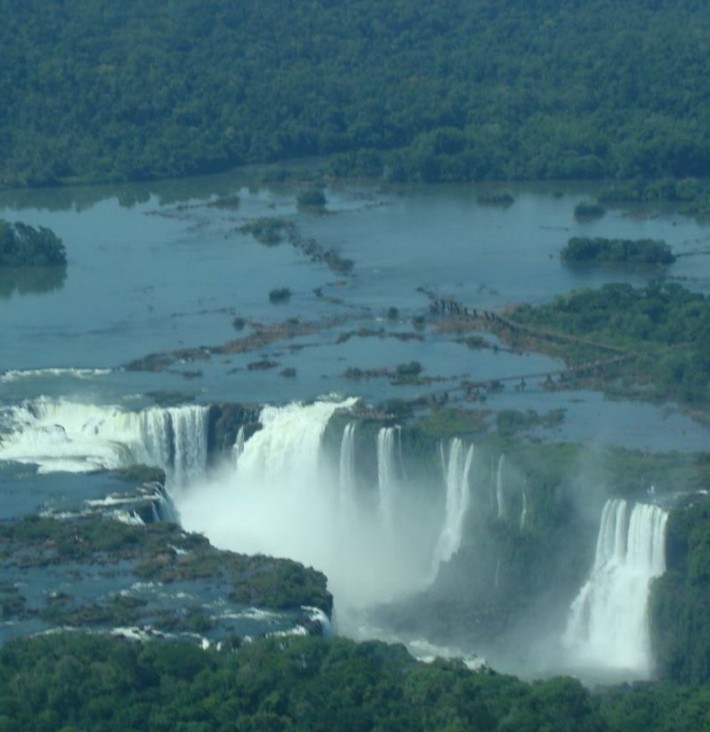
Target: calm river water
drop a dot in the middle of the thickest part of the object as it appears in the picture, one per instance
(156, 267)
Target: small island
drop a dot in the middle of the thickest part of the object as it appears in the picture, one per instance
(588, 210)
(22, 245)
(598, 250)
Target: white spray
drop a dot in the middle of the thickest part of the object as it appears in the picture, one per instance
(285, 498)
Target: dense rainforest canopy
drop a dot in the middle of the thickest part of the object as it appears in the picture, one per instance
(76, 682)
(447, 90)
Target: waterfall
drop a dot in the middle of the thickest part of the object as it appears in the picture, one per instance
(608, 624)
(163, 508)
(524, 511)
(58, 435)
(288, 445)
(190, 435)
(457, 474)
(176, 440)
(347, 475)
(500, 496)
(387, 444)
(238, 447)
(287, 497)
(275, 499)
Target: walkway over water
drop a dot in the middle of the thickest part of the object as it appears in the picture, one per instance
(495, 322)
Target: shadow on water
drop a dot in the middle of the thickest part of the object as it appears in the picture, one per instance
(31, 280)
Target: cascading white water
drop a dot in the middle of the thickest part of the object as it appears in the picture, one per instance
(347, 475)
(387, 445)
(274, 500)
(58, 435)
(608, 623)
(12, 375)
(457, 476)
(524, 511)
(285, 497)
(238, 447)
(500, 495)
(189, 431)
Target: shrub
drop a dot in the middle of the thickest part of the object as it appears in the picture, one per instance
(231, 200)
(496, 199)
(265, 230)
(587, 210)
(409, 370)
(280, 294)
(313, 198)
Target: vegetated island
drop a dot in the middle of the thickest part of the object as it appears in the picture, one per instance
(650, 342)
(32, 260)
(22, 245)
(588, 210)
(625, 252)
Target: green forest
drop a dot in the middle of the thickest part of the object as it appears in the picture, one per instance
(448, 91)
(77, 683)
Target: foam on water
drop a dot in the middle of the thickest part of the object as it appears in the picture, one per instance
(12, 375)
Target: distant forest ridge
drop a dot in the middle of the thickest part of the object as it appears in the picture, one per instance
(449, 90)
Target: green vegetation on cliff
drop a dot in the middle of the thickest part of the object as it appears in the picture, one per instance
(681, 597)
(452, 90)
